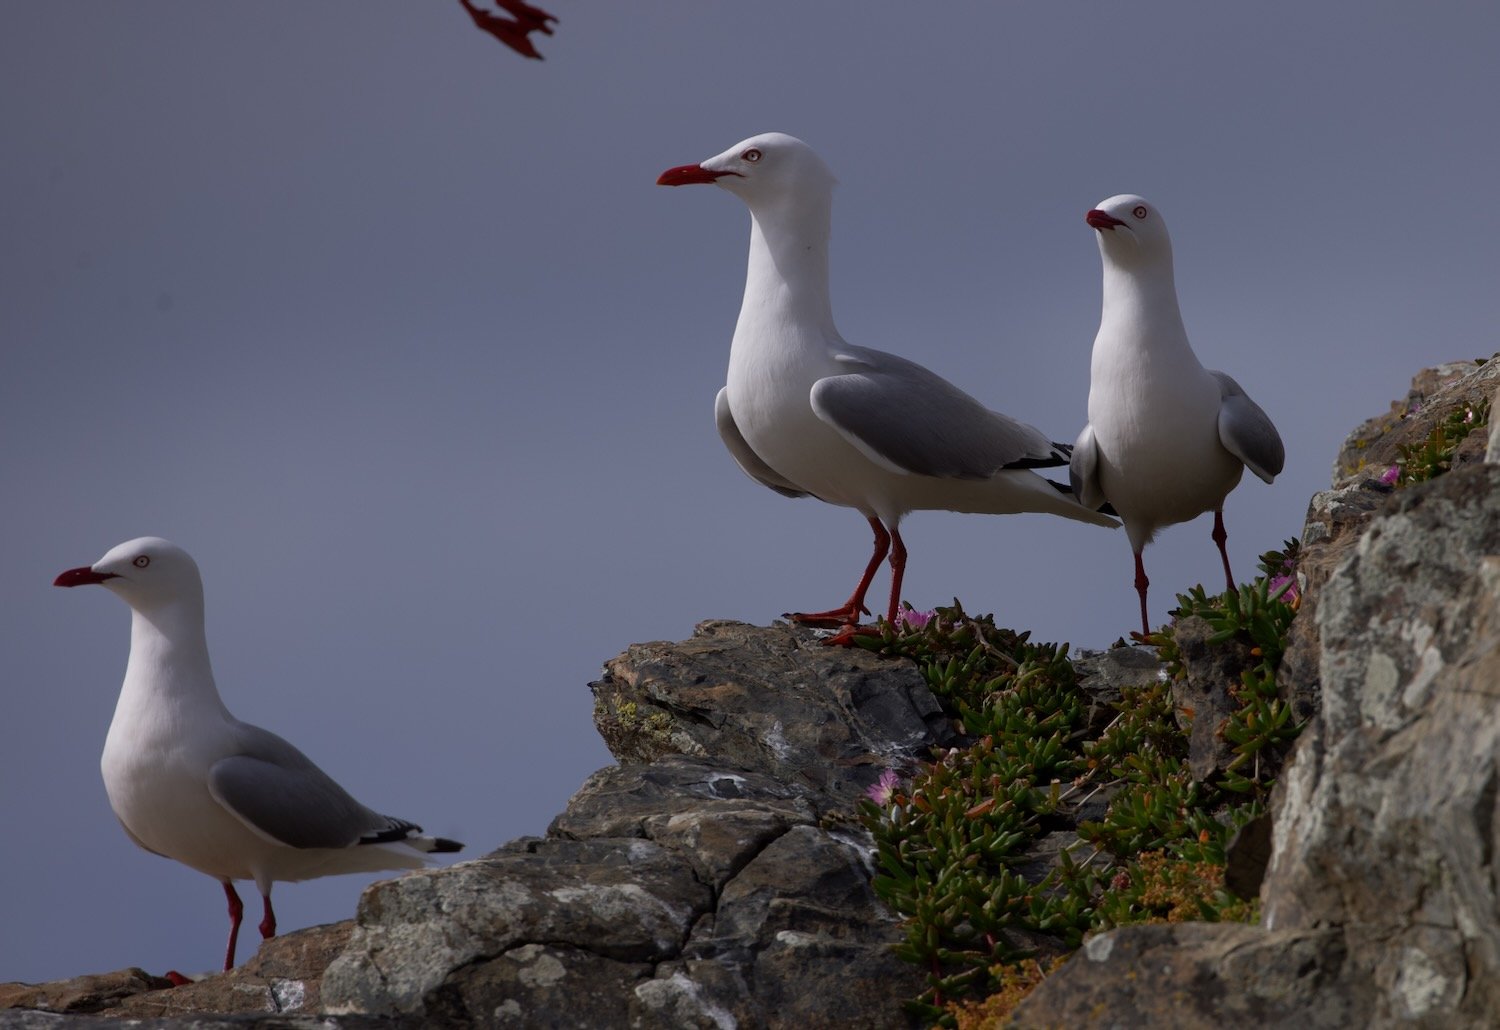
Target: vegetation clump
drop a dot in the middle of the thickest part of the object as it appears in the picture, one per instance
(1051, 822)
(1429, 458)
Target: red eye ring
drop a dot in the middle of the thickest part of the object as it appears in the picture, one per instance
(752, 155)
(142, 562)
(1140, 211)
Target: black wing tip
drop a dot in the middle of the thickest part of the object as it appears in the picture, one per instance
(401, 832)
(396, 833)
(1036, 463)
(1062, 454)
(1063, 488)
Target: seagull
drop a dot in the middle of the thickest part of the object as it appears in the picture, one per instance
(190, 782)
(807, 414)
(1167, 439)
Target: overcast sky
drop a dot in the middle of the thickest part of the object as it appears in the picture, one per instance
(390, 328)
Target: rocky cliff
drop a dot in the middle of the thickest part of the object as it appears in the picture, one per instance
(719, 877)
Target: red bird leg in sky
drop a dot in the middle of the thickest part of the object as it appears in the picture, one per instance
(514, 34)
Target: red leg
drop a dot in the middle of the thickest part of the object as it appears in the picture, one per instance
(898, 569)
(236, 915)
(268, 922)
(851, 610)
(1141, 583)
(1220, 536)
(845, 636)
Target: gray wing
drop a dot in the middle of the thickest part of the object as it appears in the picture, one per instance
(278, 792)
(746, 458)
(1246, 431)
(911, 420)
(1083, 470)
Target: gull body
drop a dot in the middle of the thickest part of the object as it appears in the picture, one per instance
(806, 413)
(1167, 439)
(190, 782)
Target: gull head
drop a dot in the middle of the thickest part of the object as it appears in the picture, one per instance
(144, 572)
(762, 170)
(1131, 231)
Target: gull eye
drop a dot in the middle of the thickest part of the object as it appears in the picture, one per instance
(141, 562)
(752, 155)
(1140, 211)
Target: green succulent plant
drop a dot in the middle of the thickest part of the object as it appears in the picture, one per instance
(951, 844)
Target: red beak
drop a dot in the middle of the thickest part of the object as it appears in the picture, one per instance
(688, 175)
(81, 577)
(1101, 221)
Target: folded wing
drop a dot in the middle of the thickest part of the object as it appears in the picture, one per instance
(912, 421)
(1247, 432)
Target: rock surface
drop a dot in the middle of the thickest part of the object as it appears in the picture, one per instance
(677, 889)
(773, 700)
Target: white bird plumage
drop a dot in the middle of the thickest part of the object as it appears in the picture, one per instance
(1167, 439)
(806, 413)
(190, 782)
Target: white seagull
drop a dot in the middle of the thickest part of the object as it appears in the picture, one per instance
(805, 413)
(191, 782)
(1166, 439)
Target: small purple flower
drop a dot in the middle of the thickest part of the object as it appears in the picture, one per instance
(1290, 582)
(1390, 475)
(913, 619)
(883, 789)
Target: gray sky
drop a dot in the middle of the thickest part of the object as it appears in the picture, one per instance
(391, 329)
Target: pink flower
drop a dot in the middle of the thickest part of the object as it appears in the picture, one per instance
(1390, 475)
(1121, 880)
(1288, 581)
(913, 619)
(883, 789)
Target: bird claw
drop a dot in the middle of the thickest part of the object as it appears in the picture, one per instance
(845, 636)
(178, 980)
(847, 615)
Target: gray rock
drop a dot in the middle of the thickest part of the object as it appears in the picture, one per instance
(283, 977)
(1338, 516)
(89, 993)
(1435, 392)
(1199, 976)
(536, 986)
(1246, 857)
(1103, 675)
(281, 982)
(1335, 520)
(630, 900)
(770, 700)
(714, 815)
(687, 890)
(1203, 696)
(1385, 822)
